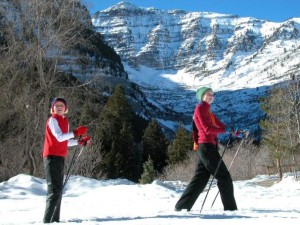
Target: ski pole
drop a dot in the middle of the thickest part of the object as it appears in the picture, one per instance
(237, 151)
(69, 172)
(72, 166)
(216, 171)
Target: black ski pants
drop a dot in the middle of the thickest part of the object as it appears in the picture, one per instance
(54, 172)
(209, 158)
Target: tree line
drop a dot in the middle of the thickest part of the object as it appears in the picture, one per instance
(121, 149)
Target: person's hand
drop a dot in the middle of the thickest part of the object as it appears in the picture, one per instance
(245, 133)
(85, 141)
(82, 130)
(196, 146)
(237, 132)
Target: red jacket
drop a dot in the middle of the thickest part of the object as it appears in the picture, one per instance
(207, 124)
(57, 136)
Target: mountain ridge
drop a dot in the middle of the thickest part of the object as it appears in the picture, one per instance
(192, 49)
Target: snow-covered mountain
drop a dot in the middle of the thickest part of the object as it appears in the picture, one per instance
(170, 53)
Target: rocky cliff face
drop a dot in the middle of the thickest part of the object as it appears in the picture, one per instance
(241, 58)
(202, 43)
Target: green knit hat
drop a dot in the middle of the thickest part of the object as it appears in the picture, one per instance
(201, 91)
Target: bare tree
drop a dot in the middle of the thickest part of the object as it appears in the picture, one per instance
(278, 127)
(38, 37)
(293, 128)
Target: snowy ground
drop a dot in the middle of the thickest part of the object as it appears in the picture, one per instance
(120, 202)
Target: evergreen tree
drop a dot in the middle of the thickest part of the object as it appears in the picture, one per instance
(128, 164)
(118, 147)
(116, 111)
(155, 145)
(181, 145)
(149, 172)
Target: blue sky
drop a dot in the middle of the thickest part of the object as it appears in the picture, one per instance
(273, 10)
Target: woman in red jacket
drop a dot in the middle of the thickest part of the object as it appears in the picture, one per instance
(206, 128)
(57, 140)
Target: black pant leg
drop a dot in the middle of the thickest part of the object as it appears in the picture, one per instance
(54, 172)
(225, 186)
(211, 157)
(195, 187)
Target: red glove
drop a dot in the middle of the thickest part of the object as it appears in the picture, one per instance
(80, 131)
(85, 141)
